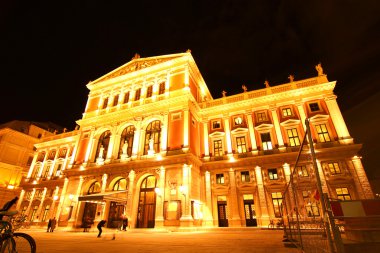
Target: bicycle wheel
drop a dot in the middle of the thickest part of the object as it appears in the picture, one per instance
(24, 243)
(8, 245)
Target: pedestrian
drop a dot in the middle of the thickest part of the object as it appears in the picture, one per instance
(100, 225)
(125, 223)
(49, 226)
(53, 224)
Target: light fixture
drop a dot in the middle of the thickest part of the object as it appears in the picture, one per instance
(71, 197)
(55, 197)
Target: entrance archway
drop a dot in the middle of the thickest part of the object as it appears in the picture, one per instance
(147, 203)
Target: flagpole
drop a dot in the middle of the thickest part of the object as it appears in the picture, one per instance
(319, 185)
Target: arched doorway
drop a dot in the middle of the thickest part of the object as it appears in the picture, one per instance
(90, 208)
(116, 211)
(147, 203)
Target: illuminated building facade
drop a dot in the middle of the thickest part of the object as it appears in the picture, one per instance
(153, 145)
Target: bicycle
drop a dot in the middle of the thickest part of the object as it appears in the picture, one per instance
(20, 221)
(10, 241)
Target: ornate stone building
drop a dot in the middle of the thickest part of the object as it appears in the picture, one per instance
(153, 145)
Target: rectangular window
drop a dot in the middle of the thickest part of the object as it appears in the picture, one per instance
(149, 91)
(218, 148)
(302, 171)
(266, 140)
(322, 132)
(238, 121)
(161, 89)
(137, 94)
(105, 103)
(334, 168)
(116, 100)
(272, 173)
(277, 202)
(241, 145)
(35, 172)
(176, 116)
(216, 124)
(220, 178)
(343, 194)
(314, 107)
(294, 140)
(261, 116)
(245, 176)
(311, 208)
(286, 112)
(126, 98)
(46, 172)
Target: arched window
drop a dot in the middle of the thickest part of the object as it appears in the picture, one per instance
(149, 182)
(94, 188)
(104, 141)
(127, 137)
(153, 131)
(120, 185)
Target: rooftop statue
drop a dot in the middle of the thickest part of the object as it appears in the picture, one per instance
(266, 84)
(137, 56)
(224, 93)
(244, 88)
(291, 78)
(319, 69)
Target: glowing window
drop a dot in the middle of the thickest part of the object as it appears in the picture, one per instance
(322, 132)
(286, 112)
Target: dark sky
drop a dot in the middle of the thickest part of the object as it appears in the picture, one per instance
(51, 49)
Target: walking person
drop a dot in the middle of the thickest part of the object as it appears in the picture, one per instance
(125, 223)
(49, 226)
(53, 224)
(100, 225)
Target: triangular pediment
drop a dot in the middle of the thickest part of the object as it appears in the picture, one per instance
(239, 130)
(137, 64)
(290, 122)
(319, 118)
(217, 134)
(264, 127)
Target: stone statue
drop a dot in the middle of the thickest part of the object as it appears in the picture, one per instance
(319, 69)
(224, 93)
(125, 147)
(244, 88)
(291, 78)
(151, 143)
(266, 84)
(101, 151)
(137, 56)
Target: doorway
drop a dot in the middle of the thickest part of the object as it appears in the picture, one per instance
(250, 213)
(222, 214)
(147, 203)
(115, 214)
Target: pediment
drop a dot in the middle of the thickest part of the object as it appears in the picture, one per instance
(239, 130)
(137, 64)
(290, 122)
(264, 127)
(319, 118)
(217, 134)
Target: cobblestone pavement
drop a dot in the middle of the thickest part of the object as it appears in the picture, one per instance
(136, 240)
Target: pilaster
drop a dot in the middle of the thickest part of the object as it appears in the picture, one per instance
(362, 178)
(264, 219)
(234, 207)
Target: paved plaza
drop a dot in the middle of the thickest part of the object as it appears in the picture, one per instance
(136, 240)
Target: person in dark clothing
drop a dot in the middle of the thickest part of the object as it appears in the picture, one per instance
(49, 226)
(8, 205)
(100, 225)
(125, 223)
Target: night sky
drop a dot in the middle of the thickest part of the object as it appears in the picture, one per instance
(50, 50)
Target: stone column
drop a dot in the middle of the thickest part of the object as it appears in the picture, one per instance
(228, 135)
(43, 165)
(251, 132)
(31, 201)
(55, 197)
(264, 219)
(301, 111)
(325, 189)
(62, 199)
(234, 207)
(131, 185)
(186, 218)
(208, 220)
(362, 178)
(90, 147)
(104, 182)
(185, 129)
(53, 164)
(20, 199)
(287, 173)
(165, 133)
(277, 128)
(160, 197)
(41, 204)
(136, 140)
(205, 139)
(32, 165)
(337, 119)
(74, 214)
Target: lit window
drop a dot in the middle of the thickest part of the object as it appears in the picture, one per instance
(314, 107)
(322, 132)
(46, 172)
(261, 116)
(116, 100)
(137, 94)
(149, 91)
(277, 202)
(220, 178)
(302, 171)
(63, 152)
(58, 171)
(286, 112)
(240, 144)
(238, 121)
(272, 173)
(105, 103)
(293, 137)
(218, 148)
(266, 140)
(126, 97)
(343, 194)
(312, 209)
(334, 168)
(161, 89)
(245, 176)
(216, 124)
